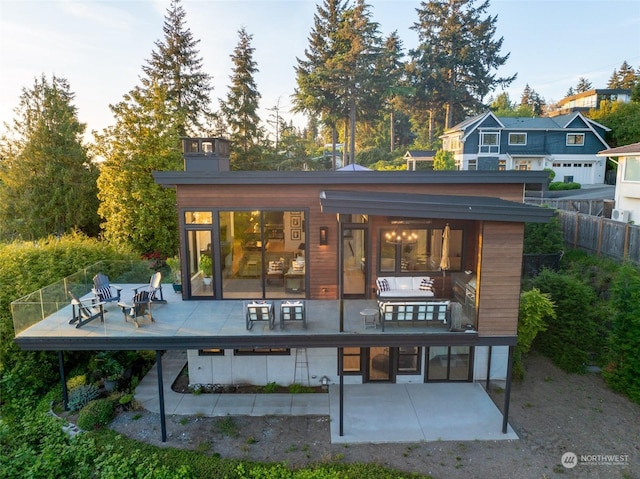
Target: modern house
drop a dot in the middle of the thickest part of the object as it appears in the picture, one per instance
(401, 277)
(627, 193)
(591, 99)
(566, 144)
(280, 236)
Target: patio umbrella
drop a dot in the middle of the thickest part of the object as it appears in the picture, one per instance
(445, 264)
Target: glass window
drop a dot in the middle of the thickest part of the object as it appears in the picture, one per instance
(575, 139)
(262, 351)
(409, 360)
(632, 169)
(351, 360)
(211, 352)
(517, 138)
(198, 217)
(417, 250)
(488, 139)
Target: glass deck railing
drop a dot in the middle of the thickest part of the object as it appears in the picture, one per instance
(36, 306)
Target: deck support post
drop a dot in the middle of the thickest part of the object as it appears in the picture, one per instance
(507, 392)
(163, 421)
(63, 380)
(488, 368)
(340, 369)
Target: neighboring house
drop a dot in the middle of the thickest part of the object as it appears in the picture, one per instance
(627, 194)
(330, 236)
(416, 156)
(591, 99)
(567, 144)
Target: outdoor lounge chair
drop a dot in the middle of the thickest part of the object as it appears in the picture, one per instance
(140, 307)
(105, 291)
(85, 311)
(154, 288)
(293, 311)
(259, 312)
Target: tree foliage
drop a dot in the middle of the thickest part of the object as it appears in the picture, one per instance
(622, 118)
(138, 212)
(543, 238)
(536, 310)
(444, 160)
(623, 369)
(240, 109)
(624, 77)
(176, 67)
(47, 181)
(457, 56)
(583, 85)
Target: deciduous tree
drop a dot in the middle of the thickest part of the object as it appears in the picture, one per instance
(47, 181)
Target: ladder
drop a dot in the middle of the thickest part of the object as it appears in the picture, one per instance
(301, 367)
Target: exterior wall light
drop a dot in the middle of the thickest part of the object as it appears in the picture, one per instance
(324, 236)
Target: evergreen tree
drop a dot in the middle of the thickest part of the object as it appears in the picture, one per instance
(457, 55)
(47, 181)
(145, 138)
(240, 109)
(627, 77)
(614, 80)
(532, 99)
(570, 92)
(502, 105)
(177, 67)
(583, 85)
(444, 161)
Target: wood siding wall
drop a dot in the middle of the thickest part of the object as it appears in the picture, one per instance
(499, 278)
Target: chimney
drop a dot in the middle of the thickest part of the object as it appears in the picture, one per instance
(207, 155)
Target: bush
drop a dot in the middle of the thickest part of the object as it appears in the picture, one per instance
(571, 339)
(98, 413)
(561, 186)
(82, 395)
(535, 311)
(76, 381)
(623, 369)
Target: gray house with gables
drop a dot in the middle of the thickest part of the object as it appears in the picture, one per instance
(566, 144)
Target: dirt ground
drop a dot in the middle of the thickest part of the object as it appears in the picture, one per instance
(552, 412)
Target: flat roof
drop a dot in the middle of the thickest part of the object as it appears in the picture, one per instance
(432, 206)
(173, 178)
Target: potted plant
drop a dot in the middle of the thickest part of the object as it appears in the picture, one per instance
(206, 268)
(111, 371)
(176, 274)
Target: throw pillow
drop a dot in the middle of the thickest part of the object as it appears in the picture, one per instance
(383, 284)
(426, 285)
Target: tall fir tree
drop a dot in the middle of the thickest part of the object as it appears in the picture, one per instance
(583, 85)
(316, 92)
(240, 109)
(177, 66)
(47, 181)
(457, 55)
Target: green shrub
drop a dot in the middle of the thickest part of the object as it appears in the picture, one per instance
(82, 395)
(535, 312)
(571, 339)
(96, 414)
(271, 387)
(299, 389)
(76, 381)
(622, 372)
(561, 186)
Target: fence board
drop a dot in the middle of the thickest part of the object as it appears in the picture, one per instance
(601, 236)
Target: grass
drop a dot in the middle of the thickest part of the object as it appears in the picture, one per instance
(227, 426)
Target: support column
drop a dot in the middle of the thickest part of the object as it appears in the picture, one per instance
(488, 368)
(507, 392)
(63, 380)
(340, 373)
(163, 420)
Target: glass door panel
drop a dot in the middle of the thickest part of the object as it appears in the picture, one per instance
(200, 262)
(354, 262)
(437, 363)
(379, 364)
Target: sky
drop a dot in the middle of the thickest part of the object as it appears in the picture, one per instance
(100, 46)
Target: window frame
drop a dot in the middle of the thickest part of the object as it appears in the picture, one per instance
(635, 169)
(575, 135)
(512, 134)
(418, 361)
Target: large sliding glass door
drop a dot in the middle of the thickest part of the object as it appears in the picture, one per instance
(354, 258)
(449, 363)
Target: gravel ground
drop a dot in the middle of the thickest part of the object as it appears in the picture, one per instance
(552, 412)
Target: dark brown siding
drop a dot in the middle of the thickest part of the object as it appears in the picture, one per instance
(499, 279)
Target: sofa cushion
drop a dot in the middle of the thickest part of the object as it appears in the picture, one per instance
(404, 283)
(426, 284)
(405, 293)
(419, 280)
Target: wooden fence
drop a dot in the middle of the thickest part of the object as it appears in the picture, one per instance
(601, 236)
